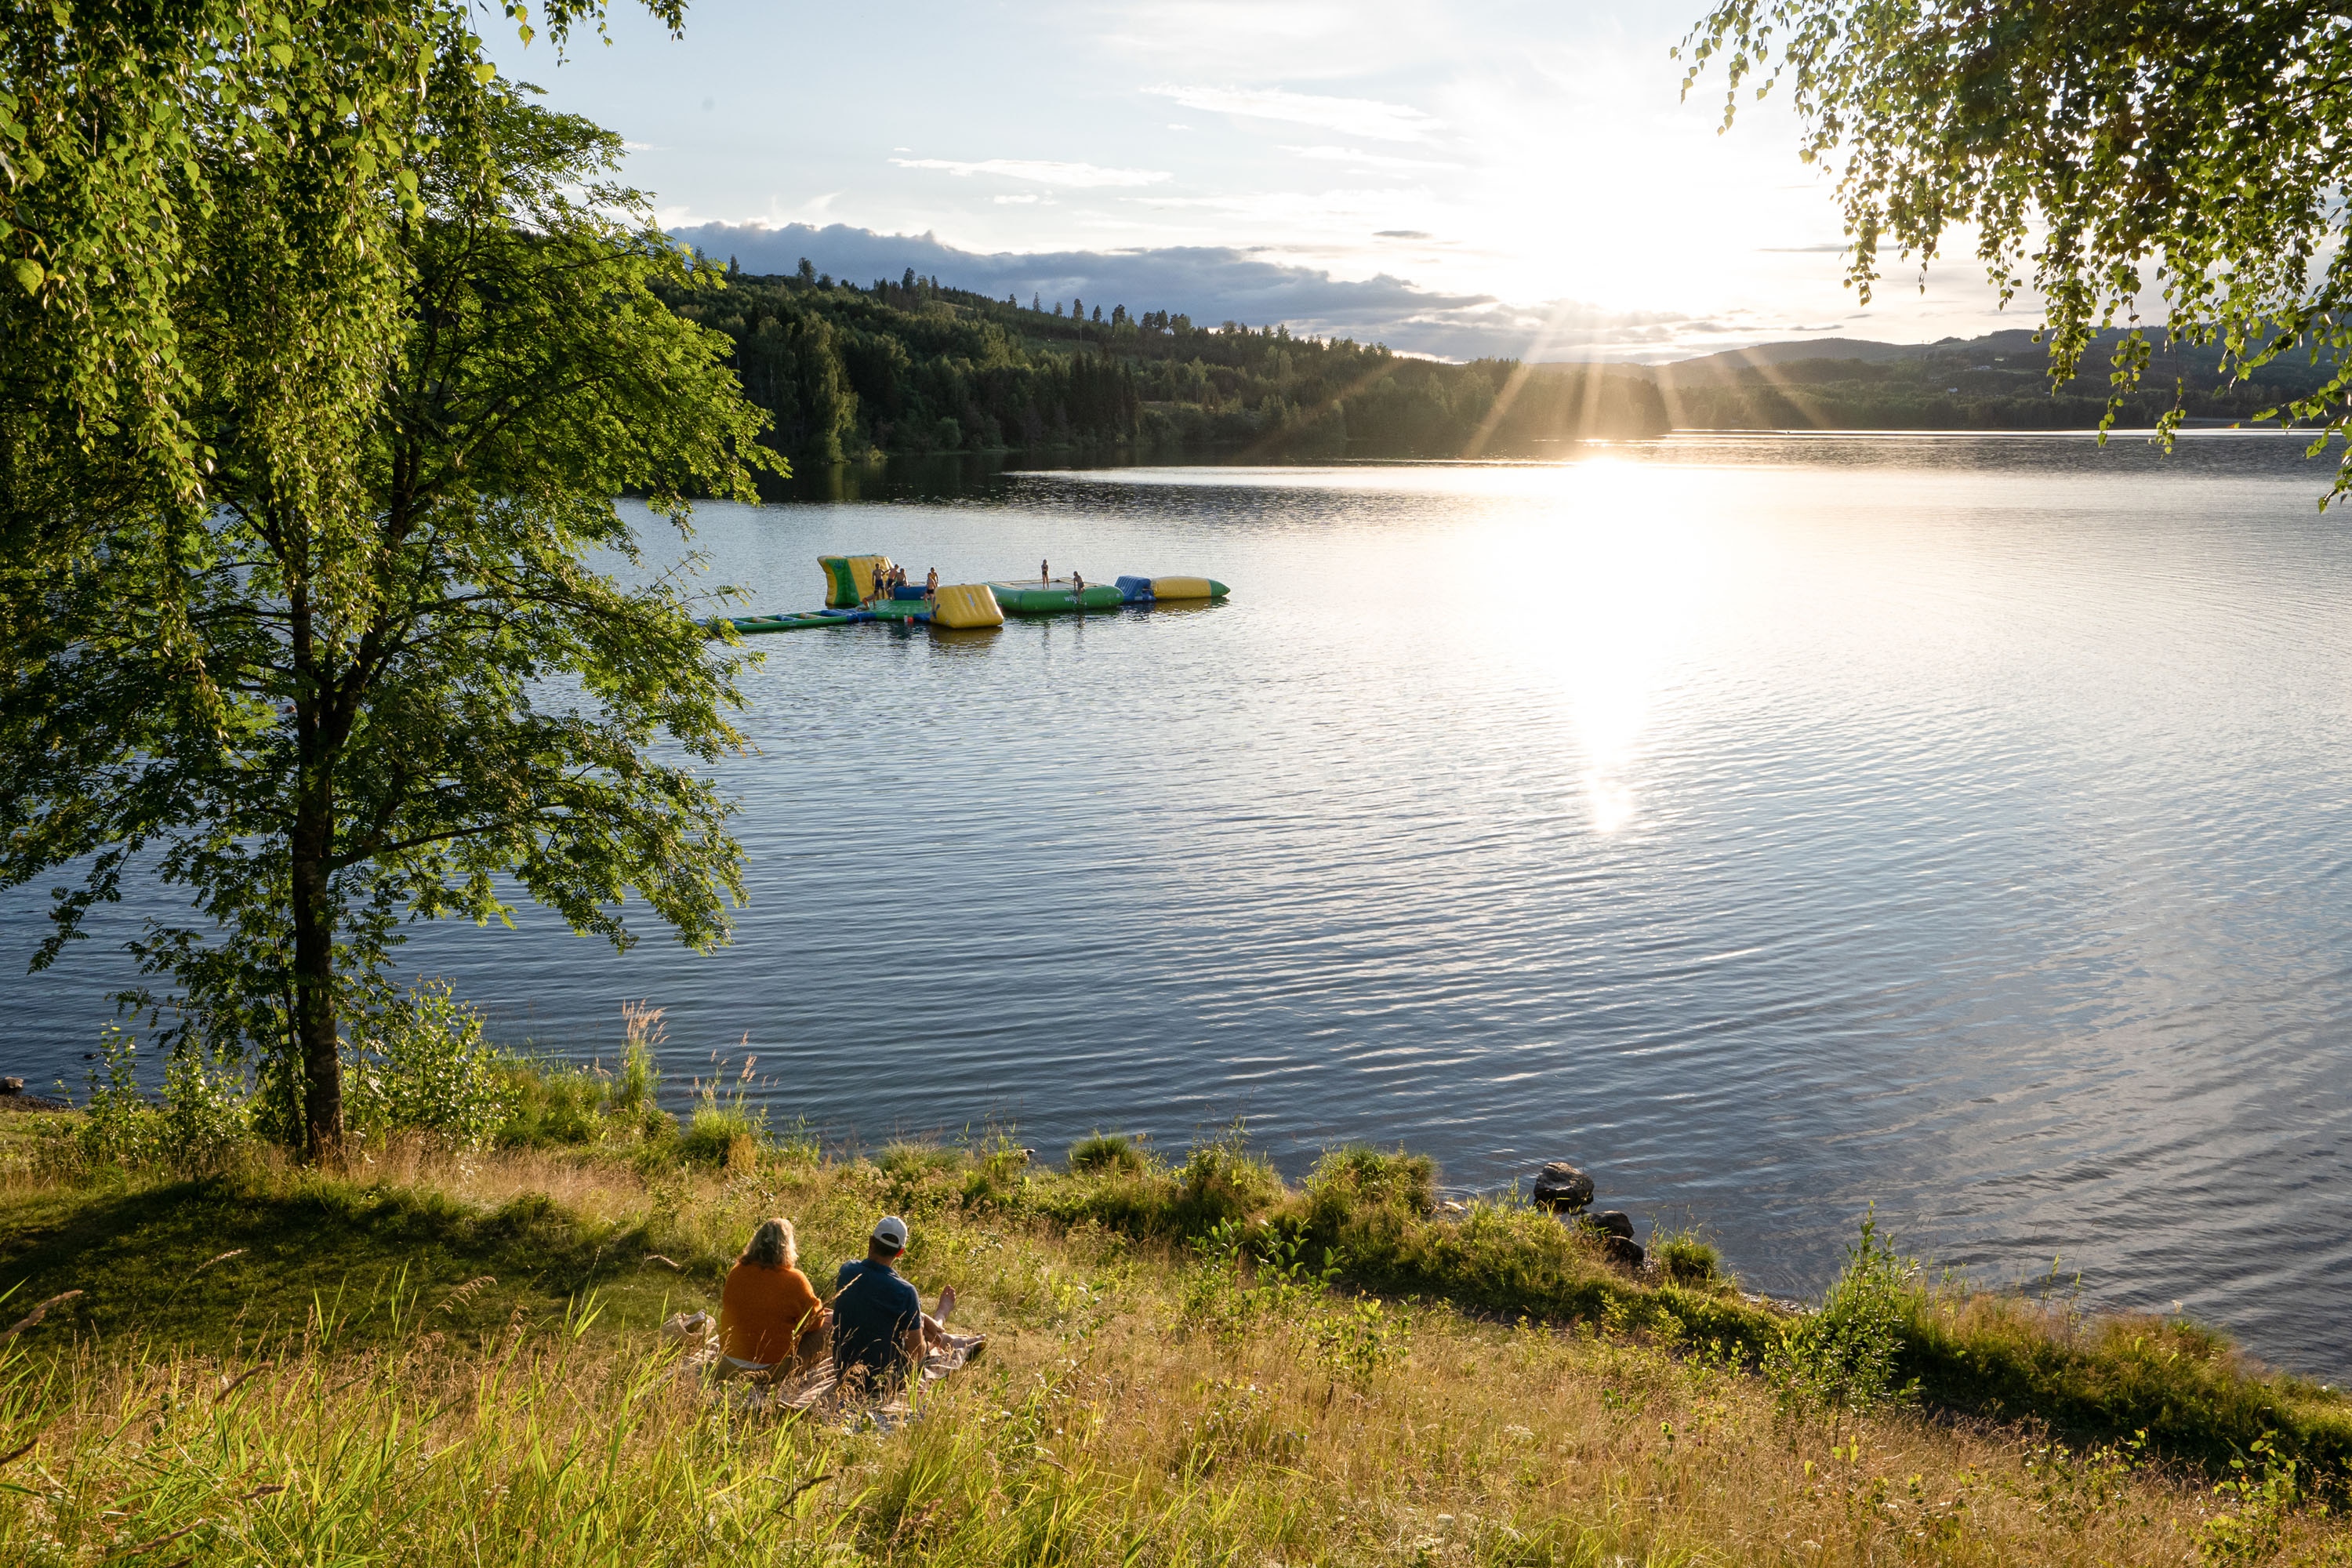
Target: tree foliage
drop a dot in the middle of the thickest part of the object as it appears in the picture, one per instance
(2134, 165)
(295, 600)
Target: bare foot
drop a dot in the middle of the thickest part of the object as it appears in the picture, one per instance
(947, 1304)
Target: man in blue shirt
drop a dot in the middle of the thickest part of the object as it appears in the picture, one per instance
(878, 1330)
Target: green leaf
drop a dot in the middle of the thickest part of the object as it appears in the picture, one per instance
(283, 54)
(28, 273)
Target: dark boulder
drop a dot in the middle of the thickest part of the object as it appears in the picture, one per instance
(1622, 1249)
(1561, 1186)
(1612, 1222)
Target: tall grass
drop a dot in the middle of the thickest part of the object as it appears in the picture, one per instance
(1200, 1362)
(1141, 1404)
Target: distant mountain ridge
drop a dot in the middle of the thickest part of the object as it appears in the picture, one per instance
(1996, 381)
(1864, 349)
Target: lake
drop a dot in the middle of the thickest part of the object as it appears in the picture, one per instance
(1771, 825)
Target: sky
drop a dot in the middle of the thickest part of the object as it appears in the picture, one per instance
(1450, 179)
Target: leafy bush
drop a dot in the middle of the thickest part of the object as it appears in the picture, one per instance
(1360, 1340)
(118, 1126)
(422, 1066)
(2256, 1498)
(208, 1114)
(1843, 1357)
(205, 1118)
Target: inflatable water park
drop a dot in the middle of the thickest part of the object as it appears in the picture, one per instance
(866, 588)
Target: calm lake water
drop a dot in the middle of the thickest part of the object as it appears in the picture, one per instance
(1770, 825)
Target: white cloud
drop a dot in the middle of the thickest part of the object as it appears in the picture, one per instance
(1076, 176)
(1367, 159)
(1349, 116)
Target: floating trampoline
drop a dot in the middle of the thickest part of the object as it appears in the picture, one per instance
(855, 596)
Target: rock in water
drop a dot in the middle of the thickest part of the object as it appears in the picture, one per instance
(1561, 1186)
(1612, 1222)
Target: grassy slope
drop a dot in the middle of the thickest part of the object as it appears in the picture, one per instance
(1135, 1407)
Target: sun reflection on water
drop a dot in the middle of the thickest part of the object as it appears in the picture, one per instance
(1624, 572)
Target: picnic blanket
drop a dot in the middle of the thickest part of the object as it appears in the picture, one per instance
(817, 1389)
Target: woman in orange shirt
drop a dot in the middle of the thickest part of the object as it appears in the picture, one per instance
(770, 1318)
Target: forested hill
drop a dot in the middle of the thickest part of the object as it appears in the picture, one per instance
(1999, 382)
(914, 366)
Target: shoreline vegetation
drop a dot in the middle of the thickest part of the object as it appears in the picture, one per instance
(914, 367)
(445, 1342)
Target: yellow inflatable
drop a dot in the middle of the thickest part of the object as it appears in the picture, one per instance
(1186, 588)
(966, 604)
(849, 579)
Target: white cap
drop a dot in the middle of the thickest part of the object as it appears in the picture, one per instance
(891, 1232)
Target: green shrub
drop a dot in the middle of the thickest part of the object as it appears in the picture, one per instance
(1221, 1180)
(204, 1120)
(998, 1170)
(1107, 1151)
(422, 1066)
(1683, 1258)
(1844, 1357)
(1360, 1339)
(207, 1117)
(118, 1126)
(1360, 1176)
(722, 1131)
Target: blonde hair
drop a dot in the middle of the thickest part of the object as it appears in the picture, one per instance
(773, 1245)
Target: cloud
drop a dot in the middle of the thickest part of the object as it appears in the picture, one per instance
(1220, 283)
(1349, 116)
(1401, 234)
(1076, 176)
(1368, 160)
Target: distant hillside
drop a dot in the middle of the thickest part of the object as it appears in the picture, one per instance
(1999, 382)
(1763, 354)
(913, 366)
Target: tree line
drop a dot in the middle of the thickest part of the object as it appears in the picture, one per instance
(910, 365)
